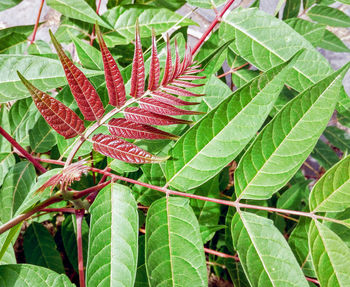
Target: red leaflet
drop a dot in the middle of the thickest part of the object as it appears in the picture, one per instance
(157, 107)
(177, 67)
(180, 92)
(120, 149)
(193, 71)
(171, 100)
(142, 116)
(114, 80)
(168, 64)
(83, 91)
(184, 84)
(191, 77)
(138, 68)
(187, 61)
(123, 128)
(67, 175)
(61, 118)
(154, 72)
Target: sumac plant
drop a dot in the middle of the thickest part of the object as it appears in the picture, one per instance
(155, 162)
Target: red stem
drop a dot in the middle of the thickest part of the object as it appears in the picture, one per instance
(220, 254)
(22, 150)
(67, 210)
(37, 22)
(212, 26)
(79, 215)
(92, 37)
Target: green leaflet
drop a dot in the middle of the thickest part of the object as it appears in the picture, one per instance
(264, 41)
(222, 133)
(141, 274)
(331, 42)
(10, 43)
(41, 137)
(7, 160)
(312, 32)
(330, 256)
(291, 9)
(7, 254)
(208, 4)
(264, 253)
(285, 143)
(42, 72)
(114, 221)
(15, 188)
(27, 275)
(6, 4)
(325, 156)
(337, 137)
(89, 56)
(174, 248)
(77, 9)
(332, 191)
(40, 248)
(329, 16)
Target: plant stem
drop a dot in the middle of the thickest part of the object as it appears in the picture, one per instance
(79, 215)
(212, 26)
(67, 210)
(37, 22)
(232, 70)
(220, 254)
(22, 150)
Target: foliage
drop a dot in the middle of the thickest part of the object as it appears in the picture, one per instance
(145, 161)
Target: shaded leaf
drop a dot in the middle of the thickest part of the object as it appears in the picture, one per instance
(264, 253)
(337, 137)
(291, 9)
(40, 248)
(114, 221)
(117, 148)
(83, 91)
(6, 4)
(331, 42)
(282, 146)
(329, 16)
(325, 156)
(172, 231)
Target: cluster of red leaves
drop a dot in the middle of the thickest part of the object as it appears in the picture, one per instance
(156, 104)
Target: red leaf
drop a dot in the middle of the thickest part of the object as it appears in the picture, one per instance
(177, 67)
(170, 99)
(191, 77)
(83, 91)
(193, 71)
(185, 84)
(114, 80)
(142, 116)
(168, 64)
(187, 61)
(180, 92)
(154, 72)
(138, 68)
(120, 149)
(157, 107)
(126, 129)
(61, 118)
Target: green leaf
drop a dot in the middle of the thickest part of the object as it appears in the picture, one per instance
(114, 221)
(39, 47)
(26, 275)
(337, 137)
(40, 248)
(77, 9)
(141, 273)
(329, 16)
(44, 73)
(208, 4)
(222, 133)
(41, 136)
(174, 248)
(325, 156)
(283, 145)
(10, 43)
(6, 161)
(308, 3)
(123, 20)
(68, 233)
(6, 4)
(331, 42)
(236, 272)
(7, 254)
(5, 146)
(89, 56)
(291, 9)
(265, 41)
(332, 191)
(330, 256)
(241, 77)
(15, 188)
(292, 197)
(264, 253)
(312, 32)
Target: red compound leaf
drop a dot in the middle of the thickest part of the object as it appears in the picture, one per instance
(171, 100)
(180, 92)
(187, 61)
(177, 67)
(114, 80)
(191, 77)
(154, 72)
(142, 116)
(61, 118)
(123, 128)
(158, 107)
(138, 68)
(83, 91)
(180, 83)
(168, 70)
(66, 176)
(117, 148)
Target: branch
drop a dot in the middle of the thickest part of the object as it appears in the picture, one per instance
(212, 26)
(37, 22)
(79, 215)
(22, 150)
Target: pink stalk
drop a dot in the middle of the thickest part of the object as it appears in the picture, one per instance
(220, 254)
(79, 215)
(92, 37)
(37, 22)
(22, 150)
(212, 26)
(66, 210)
